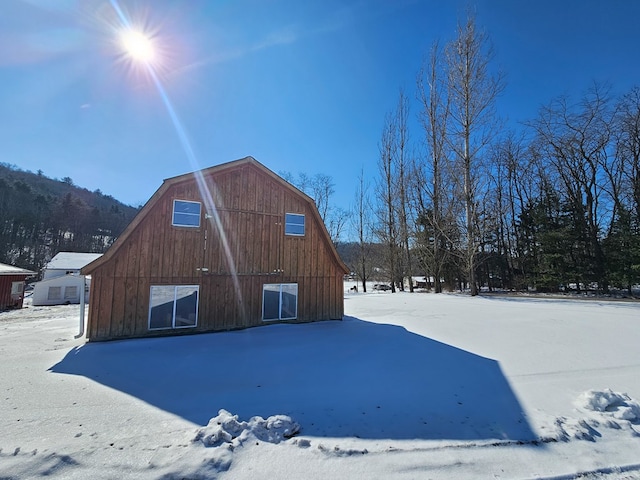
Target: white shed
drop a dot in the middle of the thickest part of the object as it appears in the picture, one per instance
(68, 263)
(60, 290)
(61, 280)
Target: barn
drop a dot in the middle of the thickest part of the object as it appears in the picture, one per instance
(12, 285)
(228, 247)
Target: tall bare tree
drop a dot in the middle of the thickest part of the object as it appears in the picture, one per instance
(401, 161)
(473, 90)
(430, 195)
(361, 224)
(387, 230)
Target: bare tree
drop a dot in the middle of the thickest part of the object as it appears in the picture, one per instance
(576, 140)
(472, 90)
(320, 187)
(430, 196)
(402, 184)
(361, 223)
(337, 221)
(515, 179)
(387, 230)
(628, 147)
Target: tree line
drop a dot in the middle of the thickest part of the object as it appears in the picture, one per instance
(40, 217)
(552, 206)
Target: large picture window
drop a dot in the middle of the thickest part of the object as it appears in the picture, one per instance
(294, 224)
(279, 301)
(173, 306)
(186, 214)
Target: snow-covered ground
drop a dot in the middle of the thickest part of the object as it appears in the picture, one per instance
(407, 386)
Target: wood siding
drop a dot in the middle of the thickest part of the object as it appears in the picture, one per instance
(6, 299)
(239, 247)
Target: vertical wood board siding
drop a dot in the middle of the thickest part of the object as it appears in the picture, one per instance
(251, 206)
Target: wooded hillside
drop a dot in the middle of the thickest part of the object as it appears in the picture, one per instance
(40, 217)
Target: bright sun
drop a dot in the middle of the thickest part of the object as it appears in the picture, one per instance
(138, 46)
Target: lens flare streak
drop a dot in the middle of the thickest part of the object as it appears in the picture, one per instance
(186, 145)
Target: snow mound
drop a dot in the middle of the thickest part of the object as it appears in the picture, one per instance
(567, 429)
(227, 429)
(618, 405)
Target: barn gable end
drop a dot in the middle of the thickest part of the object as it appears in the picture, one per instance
(231, 246)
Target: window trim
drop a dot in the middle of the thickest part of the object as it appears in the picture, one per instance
(173, 313)
(181, 225)
(280, 291)
(17, 288)
(53, 297)
(287, 224)
(70, 289)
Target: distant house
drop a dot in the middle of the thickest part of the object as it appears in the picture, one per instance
(67, 263)
(12, 285)
(231, 246)
(61, 280)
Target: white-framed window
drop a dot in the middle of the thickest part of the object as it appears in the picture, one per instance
(173, 306)
(54, 293)
(186, 214)
(17, 288)
(70, 293)
(294, 224)
(279, 301)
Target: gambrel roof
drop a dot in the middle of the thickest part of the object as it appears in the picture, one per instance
(190, 177)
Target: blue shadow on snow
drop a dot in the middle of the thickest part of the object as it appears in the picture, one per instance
(337, 379)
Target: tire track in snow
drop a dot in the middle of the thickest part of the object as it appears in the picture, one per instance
(601, 473)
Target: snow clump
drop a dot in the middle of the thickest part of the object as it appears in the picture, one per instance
(619, 405)
(227, 429)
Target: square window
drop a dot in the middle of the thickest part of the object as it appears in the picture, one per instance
(294, 224)
(186, 214)
(70, 293)
(173, 306)
(54, 293)
(279, 301)
(17, 288)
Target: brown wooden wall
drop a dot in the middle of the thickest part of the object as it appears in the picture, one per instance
(249, 219)
(5, 291)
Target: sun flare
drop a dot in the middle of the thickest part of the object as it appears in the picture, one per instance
(138, 46)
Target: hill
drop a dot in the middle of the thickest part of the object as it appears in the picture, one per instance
(41, 216)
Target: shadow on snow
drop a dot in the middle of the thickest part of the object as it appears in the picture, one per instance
(337, 379)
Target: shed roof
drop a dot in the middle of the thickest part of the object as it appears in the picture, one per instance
(11, 270)
(208, 171)
(71, 260)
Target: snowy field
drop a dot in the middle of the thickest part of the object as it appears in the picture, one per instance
(408, 386)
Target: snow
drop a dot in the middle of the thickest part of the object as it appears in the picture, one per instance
(407, 386)
(618, 405)
(226, 428)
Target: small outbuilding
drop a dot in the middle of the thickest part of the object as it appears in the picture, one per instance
(12, 285)
(63, 290)
(67, 263)
(227, 247)
(62, 283)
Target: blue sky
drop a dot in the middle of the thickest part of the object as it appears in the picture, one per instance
(302, 86)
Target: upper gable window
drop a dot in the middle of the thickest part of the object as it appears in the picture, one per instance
(185, 214)
(294, 224)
